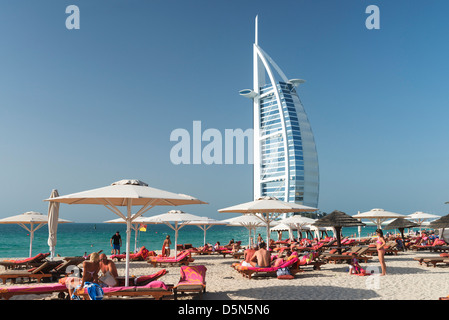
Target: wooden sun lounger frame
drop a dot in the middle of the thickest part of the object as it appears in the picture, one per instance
(431, 260)
(7, 295)
(43, 271)
(185, 261)
(195, 288)
(38, 260)
(156, 293)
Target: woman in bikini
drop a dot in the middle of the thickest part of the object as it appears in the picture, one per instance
(380, 244)
(166, 247)
(91, 268)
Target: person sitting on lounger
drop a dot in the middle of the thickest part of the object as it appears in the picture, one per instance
(262, 257)
(248, 254)
(216, 246)
(91, 268)
(108, 272)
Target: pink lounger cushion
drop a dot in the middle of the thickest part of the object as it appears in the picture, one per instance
(43, 288)
(271, 269)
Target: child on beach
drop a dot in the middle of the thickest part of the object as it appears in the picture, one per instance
(354, 266)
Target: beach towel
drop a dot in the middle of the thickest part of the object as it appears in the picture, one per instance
(94, 291)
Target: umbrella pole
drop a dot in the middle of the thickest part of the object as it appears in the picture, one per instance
(128, 238)
(31, 240)
(338, 231)
(176, 239)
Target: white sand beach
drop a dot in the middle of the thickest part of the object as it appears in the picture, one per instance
(405, 280)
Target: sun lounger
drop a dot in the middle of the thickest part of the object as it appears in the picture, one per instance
(317, 247)
(249, 271)
(10, 291)
(184, 258)
(432, 260)
(193, 279)
(312, 259)
(435, 243)
(155, 289)
(66, 267)
(360, 254)
(25, 263)
(141, 255)
(38, 273)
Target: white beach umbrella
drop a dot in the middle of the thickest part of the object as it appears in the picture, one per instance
(378, 216)
(205, 224)
(420, 218)
(178, 218)
(35, 220)
(127, 193)
(53, 216)
(267, 209)
(298, 221)
(249, 221)
(134, 226)
(283, 227)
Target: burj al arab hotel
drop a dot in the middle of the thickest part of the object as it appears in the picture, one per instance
(285, 156)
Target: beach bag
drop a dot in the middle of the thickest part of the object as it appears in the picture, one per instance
(108, 280)
(283, 272)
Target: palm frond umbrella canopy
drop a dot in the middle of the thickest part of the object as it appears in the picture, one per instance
(205, 225)
(127, 193)
(35, 220)
(338, 220)
(401, 224)
(249, 221)
(267, 209)
(441, 223)
(378, 216)
(178, 218)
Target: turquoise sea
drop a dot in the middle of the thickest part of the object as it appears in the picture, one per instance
(75, 239)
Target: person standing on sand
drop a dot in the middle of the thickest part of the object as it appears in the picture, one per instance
(116, 243)
(380, 244)
(166, 247)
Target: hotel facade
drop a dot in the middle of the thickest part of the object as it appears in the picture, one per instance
(285, 156)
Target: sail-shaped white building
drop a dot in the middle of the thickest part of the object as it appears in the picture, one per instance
(285, 156)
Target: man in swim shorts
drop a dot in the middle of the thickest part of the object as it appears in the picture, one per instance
(262, 257)
(116, 242)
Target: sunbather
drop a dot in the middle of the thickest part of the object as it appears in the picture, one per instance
(262, 257)
(108, 272)
(90, 273)
(248, 254)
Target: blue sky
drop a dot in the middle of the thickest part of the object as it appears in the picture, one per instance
(80, 109)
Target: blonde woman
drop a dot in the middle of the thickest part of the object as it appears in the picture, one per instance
(91, 268)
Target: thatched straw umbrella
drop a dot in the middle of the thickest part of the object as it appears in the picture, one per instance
(441, 223)
(338, 220)
(401, 224)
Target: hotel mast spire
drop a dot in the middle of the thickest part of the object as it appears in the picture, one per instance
(256, 40)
